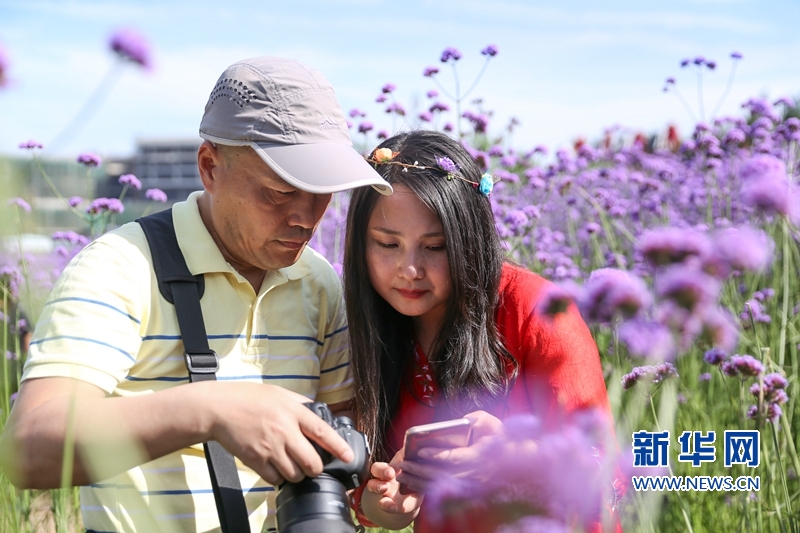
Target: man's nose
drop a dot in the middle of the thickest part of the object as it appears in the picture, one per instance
(307, 209)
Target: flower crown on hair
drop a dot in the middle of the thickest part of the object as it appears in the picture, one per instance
(384, 156)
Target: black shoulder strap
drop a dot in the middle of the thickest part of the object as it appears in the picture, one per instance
(182, 289)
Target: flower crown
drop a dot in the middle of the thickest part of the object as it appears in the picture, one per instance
(384, 156)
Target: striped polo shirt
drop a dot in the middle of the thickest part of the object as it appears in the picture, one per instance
(106, 323)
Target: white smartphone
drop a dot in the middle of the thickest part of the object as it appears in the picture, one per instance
(447, 434)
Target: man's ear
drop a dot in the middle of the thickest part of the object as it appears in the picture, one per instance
(208, 159)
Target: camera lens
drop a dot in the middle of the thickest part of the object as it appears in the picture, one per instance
(314, 505)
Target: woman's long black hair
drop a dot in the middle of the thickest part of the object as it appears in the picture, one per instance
(468, 359)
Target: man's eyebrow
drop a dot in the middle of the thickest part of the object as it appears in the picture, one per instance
(388, 231)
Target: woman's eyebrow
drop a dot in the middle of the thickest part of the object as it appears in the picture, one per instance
(389, 231)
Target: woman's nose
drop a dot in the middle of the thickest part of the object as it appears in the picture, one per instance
(410, 268)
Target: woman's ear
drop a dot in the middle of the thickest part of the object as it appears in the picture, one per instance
(208, 159)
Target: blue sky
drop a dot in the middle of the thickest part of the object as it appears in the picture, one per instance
(565, 69)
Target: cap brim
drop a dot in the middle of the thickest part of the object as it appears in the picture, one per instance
(321, 168)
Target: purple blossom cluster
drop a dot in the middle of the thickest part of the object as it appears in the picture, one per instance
(105, 205)
(654, 374)
(156, 195)
(131, 46)
(129, 180)
(89, 159)
(555, 476)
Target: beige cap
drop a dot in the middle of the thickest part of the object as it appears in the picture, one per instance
(289, 115)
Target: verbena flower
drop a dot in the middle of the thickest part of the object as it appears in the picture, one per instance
(365, 127)
(131, 181)
(70, 237)
(648, 340)
(30, 145)
(555, 300)
(89, 159)
(156, 195)
(75, 201)
(22, 204)
(687, 286)
(744, 248)
(355, 113)
(654, 374)
(103, 205)
(715, 356)
(490, 51)
(3, 68)
(450, 53)
(610, 293)
(556, 473)
(670, 245)
(388, 88)
(429, 72)
(744, 365)
(131, 46)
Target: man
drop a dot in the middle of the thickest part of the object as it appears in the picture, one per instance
(106, 367)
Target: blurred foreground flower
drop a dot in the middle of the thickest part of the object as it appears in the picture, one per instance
(22, 204)
(131, 46)
(3, 68)
(534, 475)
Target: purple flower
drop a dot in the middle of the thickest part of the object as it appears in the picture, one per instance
(448, 126)
(3, 68)
(785, 101)
(11, 356)
(489, 51)
(669, 245)
(670, 81)
(131, 181)
(653, 373)
(685, 62)
(706, 376)
(22, 204)
(381, 98)
(715, 356)
(355, 112)
(736, 55)
(382, 134)
(425, 116)
(711, 65)
(746, 365)
(156, 195)
(688, 287)
(75, 201)
(30, 145)
(438, 107)
(429, 72)
(446, 164)
(450, 53)
(103, 205)
(555, 300)
(89, 159)
(699, 60)
(611, 292)
(131, 46)
(365, 127)
(70, 237)
(775, 381)
(395, 107)
(433, 93)
(744, 248)
(388, 88)
(648, 340)
(770, 195)
(762, 166)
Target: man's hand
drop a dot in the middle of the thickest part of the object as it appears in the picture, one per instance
(268, 428)
(265, 426)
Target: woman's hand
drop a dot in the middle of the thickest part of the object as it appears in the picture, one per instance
(459, 462)
(382, 501)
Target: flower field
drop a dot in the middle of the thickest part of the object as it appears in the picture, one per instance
(681, 253)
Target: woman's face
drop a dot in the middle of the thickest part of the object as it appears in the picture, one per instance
(407, 257)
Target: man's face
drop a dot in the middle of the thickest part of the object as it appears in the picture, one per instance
(260, 222)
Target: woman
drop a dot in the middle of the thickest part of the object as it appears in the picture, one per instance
(441, 326)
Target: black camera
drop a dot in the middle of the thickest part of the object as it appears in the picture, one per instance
(320, 504)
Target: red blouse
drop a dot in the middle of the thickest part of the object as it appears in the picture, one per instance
(559, 371)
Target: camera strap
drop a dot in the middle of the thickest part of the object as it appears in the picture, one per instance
(179, 287)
